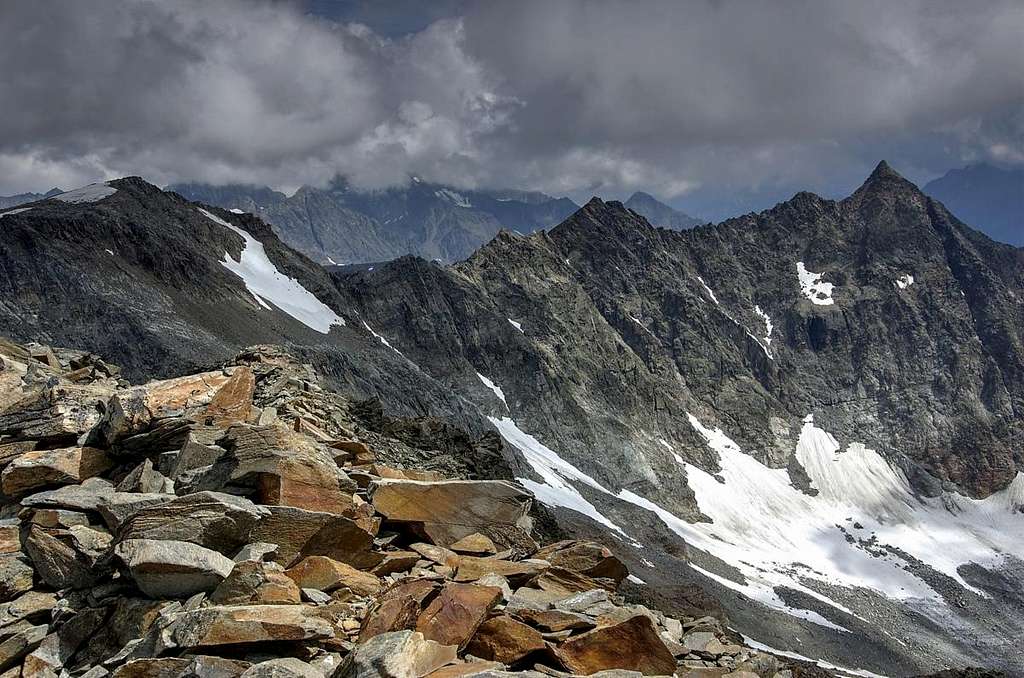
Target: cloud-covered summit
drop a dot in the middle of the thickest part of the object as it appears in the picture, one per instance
(572, 97)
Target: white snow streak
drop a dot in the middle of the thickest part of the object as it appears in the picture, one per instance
(456, 199)
(635, 579)
(518, 326)
(820, 293)
(266, 283)
(555, 473)
(750, 642)
(235, 210)
(90, 193)
(382, 339)
(767, 323)
(494, 388)
(708, 289)
(17, 210)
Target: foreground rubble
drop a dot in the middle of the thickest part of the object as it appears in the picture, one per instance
(236, 522)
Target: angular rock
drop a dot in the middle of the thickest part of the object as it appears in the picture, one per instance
(401, 654)
(632, 645)
(34, 471)
(396, 561)
(327, 574)
(555, 620)
(505, 640)
(203, 666)
(10, 536)
(62, 560)
(437, 554)
(257, 551)
(232, 403)
(300, 533)
(587, 558)
(163, 667)
(16, 576)
(475, 544)
(57, 519)
(33, 606)
(136, 409)
(144, 478)
(242, 624)
(214, 520)
(284, 667)
(455, 614)
(471, 568)
(566, 582)
(397, 608)
(172, 569)
(453, 509)
(254, 582)
(61, 413)
(15, 647)
(118, 507)
(88, 496)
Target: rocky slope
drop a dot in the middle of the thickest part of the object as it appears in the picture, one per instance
(659, 214)
(811, 414)
(246, 522)
(340, 225)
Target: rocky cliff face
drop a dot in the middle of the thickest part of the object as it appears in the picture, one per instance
(811, 413)
(340, 225)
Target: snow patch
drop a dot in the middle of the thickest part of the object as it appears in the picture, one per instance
(775, 535)
(672, 450)
(750, 642)
(643, 327)
(17, 210)
(820, 293)
(90, 193)
(266, 283)
(494, 388)
(235, 210)
(636, 580)
(767, 323)
(110, 252)
(331, 261)
(516, 325)
(904, 281)
(554, 488)
(708, 289)
(382, 339)
(456, 199)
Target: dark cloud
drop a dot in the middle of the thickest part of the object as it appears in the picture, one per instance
(696, 100)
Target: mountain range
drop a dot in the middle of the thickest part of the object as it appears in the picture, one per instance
(813, 413)
(989, 197)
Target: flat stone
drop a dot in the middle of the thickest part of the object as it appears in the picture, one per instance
(16, 576)
(473, 668)
(400, 654)
(396, 561)
(58, 519)
(475, 544)
(632, 645)
(455, 614)
(437, 554)
(40, 469)
(453, 509)
(255, 582)
(299, 533)
(697, 641)
(33, 606)
(397, 608)
(327, 574)
(214, 520)
(258, 551)
(203, 666)
(471, 568)
(85, 497)
(60, 413)
(554, 621)
(163, 667)
(232, 625)
(284, 667)
(565, 582)
(118, 507)
(505, 640)
(172, 569)
(585, 557)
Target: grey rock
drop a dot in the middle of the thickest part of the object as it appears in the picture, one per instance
(399, 654)
(172, 569)
(214, 520)
(285, 667)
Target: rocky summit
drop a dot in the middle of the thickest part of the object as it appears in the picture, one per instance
(217, 524)
(796, 432)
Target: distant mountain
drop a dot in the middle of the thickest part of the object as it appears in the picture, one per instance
(8, 201)
(660, 214)
(342, 225)
(987, 197)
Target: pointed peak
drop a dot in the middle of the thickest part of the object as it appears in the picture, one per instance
(885, 178)
(884, 171)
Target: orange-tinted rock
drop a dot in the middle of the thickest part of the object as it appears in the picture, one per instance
(233, 401)
(454, 616)
(300, 533)
(326, 574)
(632, 645)
(566, 582)
(465, 669)
(475, 544)
(554, 620)
(503, 639)
(253, 582)
(396, 561)
(587, 558)
(452, 509)
(471, 569)
(211, 626)
(397, 609)
(38, 469)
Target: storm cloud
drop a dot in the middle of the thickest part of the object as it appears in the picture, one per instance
(571, 97)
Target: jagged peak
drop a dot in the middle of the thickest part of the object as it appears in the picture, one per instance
(885, 178)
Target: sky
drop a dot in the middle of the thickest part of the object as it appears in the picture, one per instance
(717, 106)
